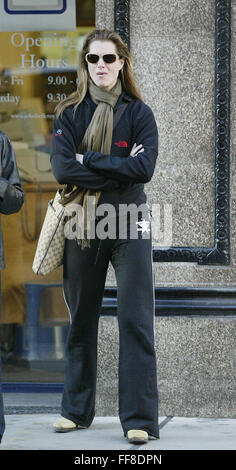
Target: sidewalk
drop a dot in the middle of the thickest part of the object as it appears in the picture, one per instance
(32, 430)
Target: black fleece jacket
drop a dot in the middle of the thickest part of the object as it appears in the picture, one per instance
(119, 176)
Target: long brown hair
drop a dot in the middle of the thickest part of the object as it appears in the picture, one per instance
(126, 74)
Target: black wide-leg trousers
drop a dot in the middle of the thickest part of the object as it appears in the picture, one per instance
(84, 280)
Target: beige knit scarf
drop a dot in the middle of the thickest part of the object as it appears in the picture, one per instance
(98, 137)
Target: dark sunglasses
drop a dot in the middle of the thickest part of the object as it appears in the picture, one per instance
(107, 58)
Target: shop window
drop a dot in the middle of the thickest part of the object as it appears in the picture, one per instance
(37, 70)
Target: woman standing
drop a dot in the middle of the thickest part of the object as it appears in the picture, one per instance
(110, 161)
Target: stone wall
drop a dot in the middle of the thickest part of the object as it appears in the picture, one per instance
(196, 362)
(172, 45)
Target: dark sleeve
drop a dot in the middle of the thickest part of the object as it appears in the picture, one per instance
(66, 169)
(11, 192)
(137, 169)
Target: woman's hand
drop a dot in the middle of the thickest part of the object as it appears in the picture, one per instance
(136, 149)
(79, 157)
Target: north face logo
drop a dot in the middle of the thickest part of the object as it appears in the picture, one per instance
(121, 143)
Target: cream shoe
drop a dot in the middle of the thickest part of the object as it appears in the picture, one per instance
(136, 436)
(66, 425)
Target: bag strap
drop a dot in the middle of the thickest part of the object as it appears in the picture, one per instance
(118, 114)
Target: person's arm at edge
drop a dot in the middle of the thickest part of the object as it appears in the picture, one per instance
(11, 192)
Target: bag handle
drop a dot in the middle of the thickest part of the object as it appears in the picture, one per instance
(118, 114)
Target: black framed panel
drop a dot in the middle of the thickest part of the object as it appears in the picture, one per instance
(220, 252)
(182, 301)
